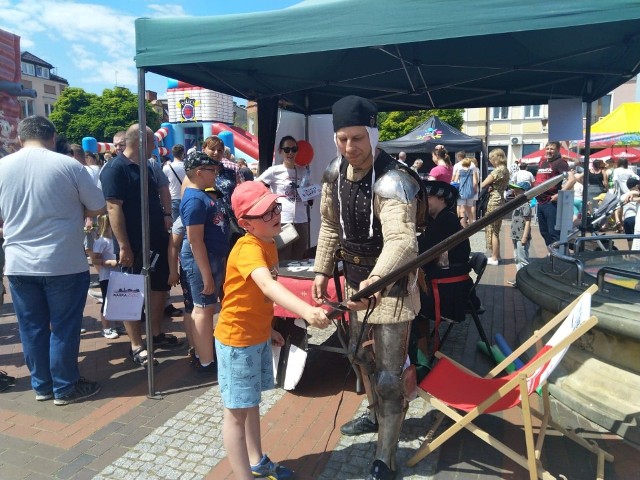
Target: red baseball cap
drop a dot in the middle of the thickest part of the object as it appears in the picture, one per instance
(252, 199)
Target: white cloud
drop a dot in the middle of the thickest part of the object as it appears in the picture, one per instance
(166, 10)
(97, 37)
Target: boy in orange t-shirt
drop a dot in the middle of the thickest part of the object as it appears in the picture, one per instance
(244, 334)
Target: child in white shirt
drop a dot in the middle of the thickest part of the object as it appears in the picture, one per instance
(104, 259)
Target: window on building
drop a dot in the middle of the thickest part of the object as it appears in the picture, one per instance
(532, 111)
(28, 108)
(51, 89)
(28, 68)
(528, 148)
(48, 108)
(500, 113)
(600, 108)
(505, 148)
(42, 72)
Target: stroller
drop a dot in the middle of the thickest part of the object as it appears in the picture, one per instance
(597, 221)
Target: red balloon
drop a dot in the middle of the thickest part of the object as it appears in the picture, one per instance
(305, 153)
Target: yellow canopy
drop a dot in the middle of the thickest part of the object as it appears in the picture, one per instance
(624, 119)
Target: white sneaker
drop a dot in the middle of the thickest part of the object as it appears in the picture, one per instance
(491, 261)
(96, 295)
(110, 333)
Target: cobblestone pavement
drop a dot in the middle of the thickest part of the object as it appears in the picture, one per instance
(186, 447)
(122, 434)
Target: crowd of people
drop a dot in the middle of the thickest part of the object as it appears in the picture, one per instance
(478, 197)
(218, 231)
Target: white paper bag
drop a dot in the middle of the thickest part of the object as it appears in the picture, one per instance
(125, 297)
(287, 235)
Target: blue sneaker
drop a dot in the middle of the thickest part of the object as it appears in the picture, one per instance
(271, 470)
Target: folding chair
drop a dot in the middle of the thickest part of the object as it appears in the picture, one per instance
(450, 387)
(477, 263)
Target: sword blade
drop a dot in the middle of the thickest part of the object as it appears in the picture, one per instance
(437, 250)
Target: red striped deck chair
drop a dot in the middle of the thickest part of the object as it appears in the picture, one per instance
(451, 388)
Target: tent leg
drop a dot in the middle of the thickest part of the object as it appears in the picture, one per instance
(144, 215)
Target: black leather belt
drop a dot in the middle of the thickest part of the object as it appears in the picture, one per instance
(341, 254)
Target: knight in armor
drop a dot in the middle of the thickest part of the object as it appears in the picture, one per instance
(369, 208)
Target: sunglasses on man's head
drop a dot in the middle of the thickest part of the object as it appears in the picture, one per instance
(290, 149)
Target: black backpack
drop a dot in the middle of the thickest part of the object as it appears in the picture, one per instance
(481, 204)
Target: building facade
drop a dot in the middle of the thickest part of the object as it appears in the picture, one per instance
(39, 76)
(523, 129)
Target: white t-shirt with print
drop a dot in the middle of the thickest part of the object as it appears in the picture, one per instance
(281, 179)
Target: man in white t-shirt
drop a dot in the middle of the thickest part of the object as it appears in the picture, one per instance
(620, 176)
(175, 173)
(47, 269)
(522, 175)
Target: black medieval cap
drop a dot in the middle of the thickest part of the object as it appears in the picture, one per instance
(436, 188)
(353, 111)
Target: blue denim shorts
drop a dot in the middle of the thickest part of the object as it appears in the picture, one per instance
(186, 291)
(243, 373)
(196, 284)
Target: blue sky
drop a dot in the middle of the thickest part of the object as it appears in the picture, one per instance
(92, 43)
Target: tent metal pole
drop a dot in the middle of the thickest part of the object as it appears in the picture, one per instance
(144, 215)
(306, 137)
(585, 178)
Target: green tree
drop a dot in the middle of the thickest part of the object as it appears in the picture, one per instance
(78, 114)
(396, 124)
(68, 109)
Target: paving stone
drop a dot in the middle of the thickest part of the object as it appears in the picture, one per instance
(44, 465)
(71, 469)
(106, 431)
(38, 476)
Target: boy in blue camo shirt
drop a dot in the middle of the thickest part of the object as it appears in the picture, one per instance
(520, 229)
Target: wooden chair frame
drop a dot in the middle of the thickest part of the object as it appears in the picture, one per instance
(517, 383)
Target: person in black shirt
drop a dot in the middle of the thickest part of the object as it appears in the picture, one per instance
(120, 180)
(447, 277)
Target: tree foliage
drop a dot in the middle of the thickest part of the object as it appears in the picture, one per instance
(396, 124)
(79, 114)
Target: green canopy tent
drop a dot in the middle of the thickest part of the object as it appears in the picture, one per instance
(404, 55)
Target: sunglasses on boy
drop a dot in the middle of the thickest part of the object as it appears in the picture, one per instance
(290, 149)
(267, 216)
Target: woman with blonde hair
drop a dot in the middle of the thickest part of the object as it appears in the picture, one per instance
(497, 182)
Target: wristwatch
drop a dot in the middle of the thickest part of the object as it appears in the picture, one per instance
(167, 215)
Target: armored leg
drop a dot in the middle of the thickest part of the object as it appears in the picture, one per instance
(363, 357)
(391, 342)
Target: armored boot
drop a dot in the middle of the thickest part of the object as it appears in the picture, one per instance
(380, 471)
